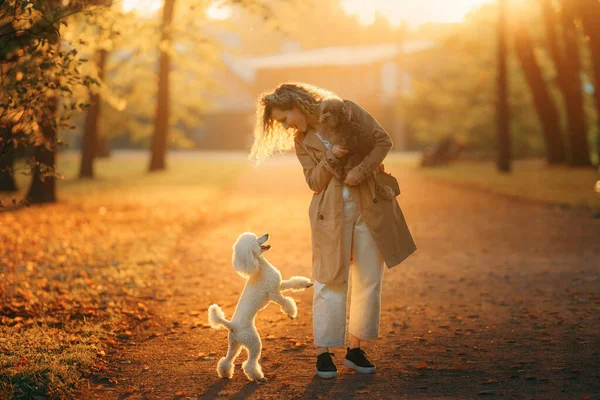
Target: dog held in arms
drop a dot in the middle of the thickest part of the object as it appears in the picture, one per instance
(264, 285)
(338, 128)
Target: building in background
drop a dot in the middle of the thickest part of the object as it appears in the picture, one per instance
(371, 75)
(229, 122)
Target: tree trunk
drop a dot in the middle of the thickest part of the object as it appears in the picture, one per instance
(544, 105)
(7, 156)
(43, 184)
(554, 47)
(502, 100)
(580, 155)
(161, 124)
(589, 12)
(567, 64)
(102, 147)
(90, 133)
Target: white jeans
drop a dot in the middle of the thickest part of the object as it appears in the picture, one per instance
(366, 275)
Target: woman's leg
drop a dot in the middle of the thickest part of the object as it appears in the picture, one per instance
(329, 301)
(329, 315)
(321, 350)
(365, 297)
(354, 342)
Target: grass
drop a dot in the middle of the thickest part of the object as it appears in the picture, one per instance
(48, 362)
(530, 179)
(70, 272)
(126, 174)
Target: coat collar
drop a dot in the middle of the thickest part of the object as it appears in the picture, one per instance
(312, 140)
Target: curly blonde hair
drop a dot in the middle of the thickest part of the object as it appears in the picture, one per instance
(269, 135)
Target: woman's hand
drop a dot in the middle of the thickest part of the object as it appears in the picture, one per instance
(339, 151)
(352, 178)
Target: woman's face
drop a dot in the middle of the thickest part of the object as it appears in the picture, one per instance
(293, 118)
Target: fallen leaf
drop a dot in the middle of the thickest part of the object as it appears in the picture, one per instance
(124, 335)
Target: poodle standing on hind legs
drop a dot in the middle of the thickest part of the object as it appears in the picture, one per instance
(264, 285)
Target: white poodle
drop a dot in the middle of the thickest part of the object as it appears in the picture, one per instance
(263, 286)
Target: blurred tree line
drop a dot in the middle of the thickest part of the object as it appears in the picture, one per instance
(60, 59)
(35, 72)
(553, 66)
(149, 76)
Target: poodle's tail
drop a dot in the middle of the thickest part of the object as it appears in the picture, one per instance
(216, 318)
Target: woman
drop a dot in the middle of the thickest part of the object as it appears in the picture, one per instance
(347, 222)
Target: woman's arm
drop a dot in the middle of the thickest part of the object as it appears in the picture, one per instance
(383, 143)
(318, 174)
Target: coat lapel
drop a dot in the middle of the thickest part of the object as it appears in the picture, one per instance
(311, 140)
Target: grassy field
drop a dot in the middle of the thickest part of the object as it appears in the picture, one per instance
(125, 174)
(71, 271)
(529, 179)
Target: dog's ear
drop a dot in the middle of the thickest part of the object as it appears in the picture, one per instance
(346, 112)
(245, 255)
(324, 117)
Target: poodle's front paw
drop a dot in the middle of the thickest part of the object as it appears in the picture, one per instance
(261, 380)
(291, 317)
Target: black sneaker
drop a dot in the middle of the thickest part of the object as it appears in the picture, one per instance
(325, 366)
(357, 360)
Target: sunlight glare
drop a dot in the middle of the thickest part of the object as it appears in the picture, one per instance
(413, 12)
(142, 7)
(218, 11)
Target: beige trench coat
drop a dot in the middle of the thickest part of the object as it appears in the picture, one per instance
(383, 217)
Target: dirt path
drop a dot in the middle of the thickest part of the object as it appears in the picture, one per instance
(502, 299)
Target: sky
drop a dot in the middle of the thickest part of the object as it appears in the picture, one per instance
(415, 12)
